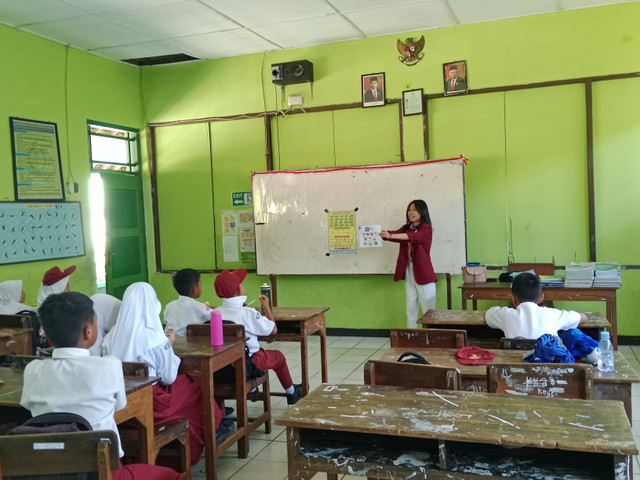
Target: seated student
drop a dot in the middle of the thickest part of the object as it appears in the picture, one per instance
(186, 310)
(138, 337)
(75, 382)
(55, 281)
(106, 308)
(12, 297)
(229, 287)
(527, 319)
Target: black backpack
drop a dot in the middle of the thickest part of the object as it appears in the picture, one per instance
(413, 357)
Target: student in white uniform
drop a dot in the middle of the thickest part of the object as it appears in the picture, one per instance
(55, 281)
(12, 298)
(527, 319)
(229, 287)
(138, 337)
(186, 310)
(75, 382)
(107, 308)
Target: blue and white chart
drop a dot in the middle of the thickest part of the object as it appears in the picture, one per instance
(40, 231)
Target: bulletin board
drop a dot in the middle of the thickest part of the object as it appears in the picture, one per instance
(292, 211)
(40, 231)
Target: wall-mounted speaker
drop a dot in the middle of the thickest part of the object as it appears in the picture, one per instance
(289, 73)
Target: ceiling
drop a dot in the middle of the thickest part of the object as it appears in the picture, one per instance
(207, 29)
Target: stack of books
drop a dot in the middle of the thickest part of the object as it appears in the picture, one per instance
(551, 282)
(579, 275)
(607, 275)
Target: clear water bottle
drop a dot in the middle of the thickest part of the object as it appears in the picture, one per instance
(605, 353)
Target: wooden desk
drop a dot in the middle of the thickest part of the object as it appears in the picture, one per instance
(480, 334)
(20, 343)
(391, 432)
(606, 386)
(139, 404)
(502, 291)
(295, 325)
(200, 361)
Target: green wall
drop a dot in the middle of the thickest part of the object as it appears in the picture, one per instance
(46, 81)
(526, 182)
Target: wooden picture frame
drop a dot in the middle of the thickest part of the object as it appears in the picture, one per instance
(373, 88)
(456, 78)
(412, 102)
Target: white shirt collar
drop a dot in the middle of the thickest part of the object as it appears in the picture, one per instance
(234, 301)
(70, 352)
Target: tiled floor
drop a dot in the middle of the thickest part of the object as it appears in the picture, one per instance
(347, 355)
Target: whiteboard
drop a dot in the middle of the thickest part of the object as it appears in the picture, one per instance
(291, 219)
(40, 231)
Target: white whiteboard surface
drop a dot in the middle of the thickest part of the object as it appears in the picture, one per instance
(291, 220)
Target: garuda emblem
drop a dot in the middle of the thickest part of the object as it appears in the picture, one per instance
(411, 52)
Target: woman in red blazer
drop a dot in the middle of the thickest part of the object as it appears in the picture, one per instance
(414, 260)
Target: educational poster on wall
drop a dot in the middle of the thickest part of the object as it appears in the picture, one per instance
(247, 233)
(342, 232)
(36, 160)
(238, 236)
(38, 231)
(369, 236)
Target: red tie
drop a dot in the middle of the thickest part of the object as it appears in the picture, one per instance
(375, 95)
(453, 82)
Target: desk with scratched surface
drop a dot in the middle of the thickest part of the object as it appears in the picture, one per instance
(615, 385)
(481, 335)
(139, 405)
(391, 432)
(502, 291)
(295, 324)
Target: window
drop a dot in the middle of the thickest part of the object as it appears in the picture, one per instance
(113, 148)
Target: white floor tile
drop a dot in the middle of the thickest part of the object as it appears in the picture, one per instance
(258, 469)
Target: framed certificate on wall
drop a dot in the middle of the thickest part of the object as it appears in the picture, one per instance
(37, 170)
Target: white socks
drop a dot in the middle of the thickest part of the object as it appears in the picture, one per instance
(290, 390)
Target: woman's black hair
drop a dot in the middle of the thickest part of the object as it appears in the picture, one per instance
(423, 210)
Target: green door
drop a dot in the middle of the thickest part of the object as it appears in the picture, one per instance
(126, 259)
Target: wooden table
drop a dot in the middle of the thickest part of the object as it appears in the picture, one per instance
(295, 324)
(502, 291)
(139, 405)
(480, 334)
(200, 361)
(615, 385)
(391, 432)
(20, 343)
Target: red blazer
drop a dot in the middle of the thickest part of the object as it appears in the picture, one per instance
(421, 254)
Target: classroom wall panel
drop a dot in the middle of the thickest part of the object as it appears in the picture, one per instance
(185, 207)
(302, 141)
(616, 135)
(474, 126)
(233, 161)
(547, 198)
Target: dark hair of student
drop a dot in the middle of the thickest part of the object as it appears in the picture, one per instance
(64, 315)
(423, 210)
(526, 287)
(185, 279)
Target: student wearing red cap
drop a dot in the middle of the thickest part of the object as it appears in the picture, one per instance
(229, 287)
(54, 281)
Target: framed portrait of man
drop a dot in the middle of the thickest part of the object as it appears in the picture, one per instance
(373, 90)
(456, 78)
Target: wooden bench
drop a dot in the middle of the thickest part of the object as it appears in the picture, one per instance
(541, 379)
(517, 343)
(411, 375)
(431, 338)
(15, 335)
(59, 453)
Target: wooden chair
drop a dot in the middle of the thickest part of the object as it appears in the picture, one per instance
(171, 438)
(427, 338)
(225, 391)
(540, 268)
(411, 375)
(15, 321)
(22, 455)
(560, 380)
(517, 343)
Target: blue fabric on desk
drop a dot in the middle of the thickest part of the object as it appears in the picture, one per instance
(549, 349)
(579, 344)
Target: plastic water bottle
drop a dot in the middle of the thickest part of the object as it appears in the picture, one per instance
(605, 353)
(265, 290)
(217, 337)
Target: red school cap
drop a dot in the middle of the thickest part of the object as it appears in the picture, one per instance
(474, 356)
(227, 282)
(54, 275)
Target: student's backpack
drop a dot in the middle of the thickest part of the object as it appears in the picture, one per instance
(413, 357)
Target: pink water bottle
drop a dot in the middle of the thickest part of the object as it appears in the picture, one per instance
(217, 338)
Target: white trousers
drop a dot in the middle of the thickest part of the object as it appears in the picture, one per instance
(417, 296)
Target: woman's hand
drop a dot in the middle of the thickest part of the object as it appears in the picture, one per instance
(171, 335)
(385, 235)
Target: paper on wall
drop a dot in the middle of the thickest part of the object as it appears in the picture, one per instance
(369, 236)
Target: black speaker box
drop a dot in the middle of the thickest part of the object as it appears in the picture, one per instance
(289, 73)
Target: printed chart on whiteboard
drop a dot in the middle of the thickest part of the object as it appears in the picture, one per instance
(39, 231)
